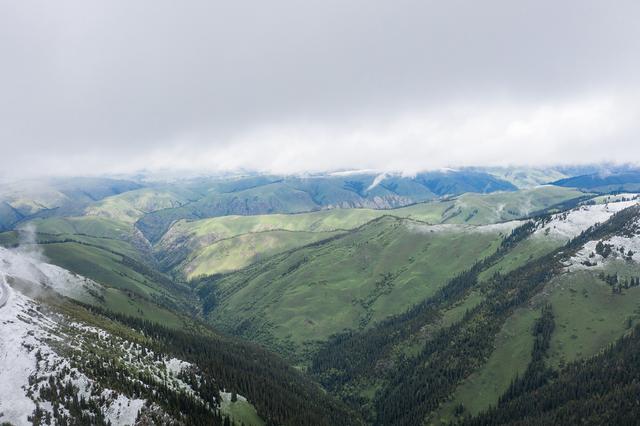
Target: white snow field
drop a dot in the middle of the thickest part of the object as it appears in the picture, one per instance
(27, 358)
(570, 224)
(623, 248)
(32, 267)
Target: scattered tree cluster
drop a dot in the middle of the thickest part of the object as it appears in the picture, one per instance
(602, 390)
(617, 284)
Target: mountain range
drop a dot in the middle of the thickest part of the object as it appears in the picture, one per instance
(472, 296)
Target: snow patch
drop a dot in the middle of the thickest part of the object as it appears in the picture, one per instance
(572, 223)
(502, 227)
(176, 366)
(621, 247)
(226, 397)
(123, 411)
(17, 360)
(27, 361)
(378, 179)
(32, 268)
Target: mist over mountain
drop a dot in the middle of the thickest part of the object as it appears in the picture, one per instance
(285, 88)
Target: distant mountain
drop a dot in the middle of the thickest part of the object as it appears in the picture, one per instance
(459, 182)
(292, 194)
(57, 196)
(9, 216)
(626, 180)
(528, 177)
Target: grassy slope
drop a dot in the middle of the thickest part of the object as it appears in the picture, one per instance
(101, 249)
(345, 283)
(125, 291)
(477, 209)
(242, 412)
(526, 251)
(588, 315)
(131, 206)
(240, 251)
(93, 226)
(190, 247)
(108, 234)
(588, 318)
(512, 345)
(266, 199)
(511, 356)
(511, 205)
(27, 199)
(198, 247)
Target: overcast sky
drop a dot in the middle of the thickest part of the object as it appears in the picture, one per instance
(293, 86)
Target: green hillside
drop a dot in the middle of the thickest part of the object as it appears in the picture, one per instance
(464, 362)
(477, 209)
(598, 390)
(526, 177)
(292, 194)
(195, 248)
(265, 199)
(106, 252)
(59, 196)
(348, 282)
(229, 243)
(237, 252)
(131, 206)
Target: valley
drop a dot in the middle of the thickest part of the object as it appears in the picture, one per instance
(407, 213)
(375, 308)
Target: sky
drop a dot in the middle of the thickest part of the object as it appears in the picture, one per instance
(91, 87)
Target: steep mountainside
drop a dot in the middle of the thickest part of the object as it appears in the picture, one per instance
(453, 348)
(223, 244)
(65, 362)
(303, 296)
(109, 254)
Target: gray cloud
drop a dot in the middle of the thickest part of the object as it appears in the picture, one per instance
(291, 86)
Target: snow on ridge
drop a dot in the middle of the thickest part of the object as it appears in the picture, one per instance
(423, 228)
(598, 253)
(27, 360)
(378, 179)
(17, 362)
(622, 248)
(31, 344)
(33, 268)
(570, 224)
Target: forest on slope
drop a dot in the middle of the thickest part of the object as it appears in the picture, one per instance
(453, 308)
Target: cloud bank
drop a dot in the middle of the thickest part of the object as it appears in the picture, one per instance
(290, 87)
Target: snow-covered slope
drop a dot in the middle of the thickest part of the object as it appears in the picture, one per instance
(570, 224)
(54, 366)
(31, 266)
(599, 253)
(29, 365)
